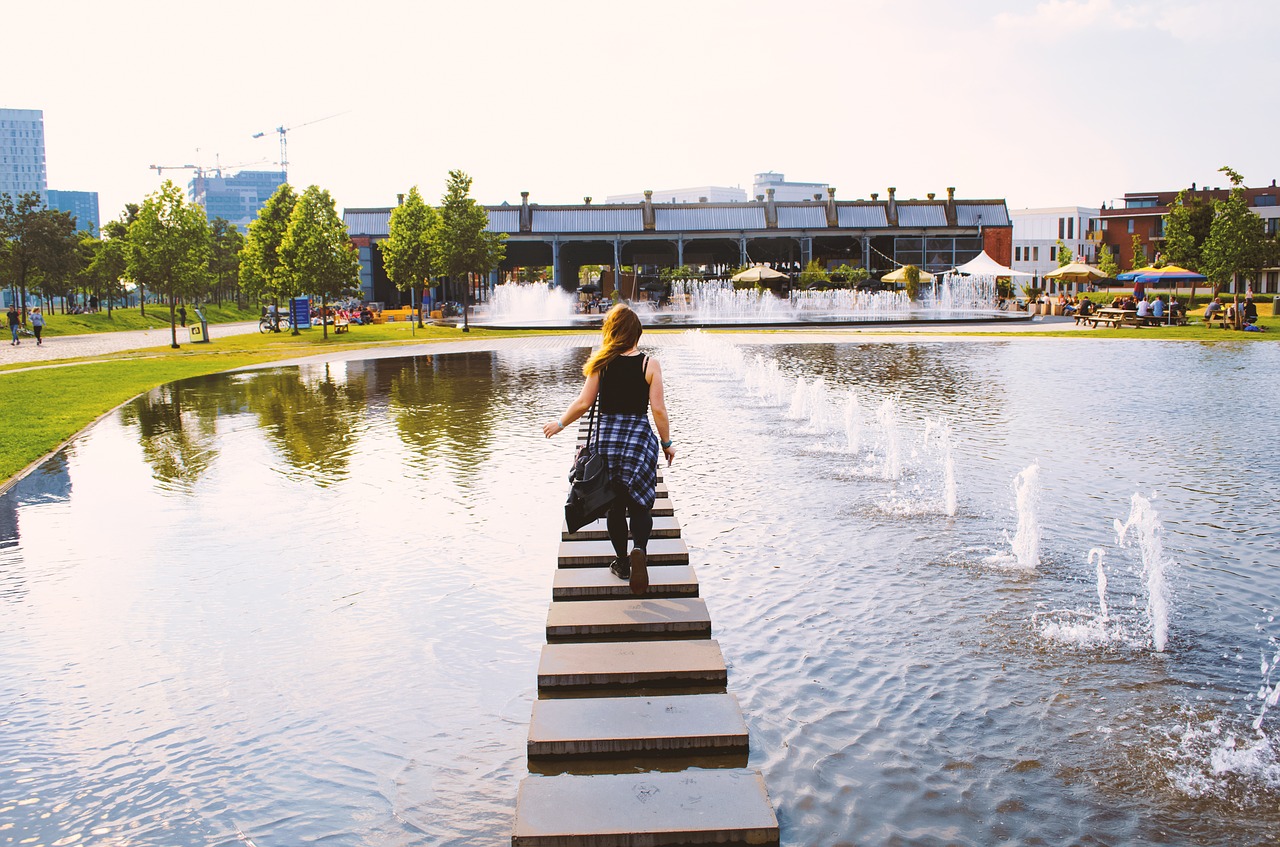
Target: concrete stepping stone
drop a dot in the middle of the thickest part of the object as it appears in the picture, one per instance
(614, 664)
(595, 554)
(630, 620)
(729, 806)
(665, 526)
(600, 584)
(626, 726)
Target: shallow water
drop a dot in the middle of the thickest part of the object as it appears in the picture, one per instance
(305, 605)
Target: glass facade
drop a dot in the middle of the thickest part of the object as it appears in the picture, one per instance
(235, 198)
(22, 165)
(81, 205)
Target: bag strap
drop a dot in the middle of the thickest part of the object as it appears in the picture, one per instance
(591, 420)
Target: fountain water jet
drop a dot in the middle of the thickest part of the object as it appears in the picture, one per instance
(1145, 522)
(1026, 539)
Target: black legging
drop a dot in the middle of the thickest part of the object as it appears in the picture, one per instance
(641, 524)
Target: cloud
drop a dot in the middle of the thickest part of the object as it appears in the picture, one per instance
(1192, 21)
(1066, 17)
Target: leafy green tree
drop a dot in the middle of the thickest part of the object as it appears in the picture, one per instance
(406, 253)
(1236, 245)
(913, 281)
(814, 275)
(110, 265)
(463, 245)
(1065, 256)
(1139, 259)
(260, 274)
(36, 244)
(169, 248)
(316, 254)
(224, 259)
(1107, 262)
(849, 276)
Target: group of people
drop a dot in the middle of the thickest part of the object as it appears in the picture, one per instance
(1147, 307)
(1248, 313)
(15, 324)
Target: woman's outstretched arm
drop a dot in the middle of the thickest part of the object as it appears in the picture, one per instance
(577, 408)
(658, 403)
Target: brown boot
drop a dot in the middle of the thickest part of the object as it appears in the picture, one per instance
(639, 572)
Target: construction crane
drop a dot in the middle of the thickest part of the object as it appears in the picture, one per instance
(201, 170)
(284, 139)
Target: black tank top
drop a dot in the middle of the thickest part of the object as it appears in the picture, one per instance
(623, 389)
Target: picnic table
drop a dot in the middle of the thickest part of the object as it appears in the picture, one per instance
(1114, 317)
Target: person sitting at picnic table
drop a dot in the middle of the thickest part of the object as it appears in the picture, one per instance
(1144, 308)
(1250, 311)
(1086, 307)
(1176, 309)
(1129, 304)
(1157, 308)
(1214, 307)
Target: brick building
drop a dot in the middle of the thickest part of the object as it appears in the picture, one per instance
(1142, 214)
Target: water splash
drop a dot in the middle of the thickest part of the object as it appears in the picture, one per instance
(1095, 557)
(1026, 539)
(949, 492)
(1145, 524)
(852, 422)
(887, 416)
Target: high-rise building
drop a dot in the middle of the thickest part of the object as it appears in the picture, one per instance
(81, 205)
(22, 167)
(235, 198)
(784, 191)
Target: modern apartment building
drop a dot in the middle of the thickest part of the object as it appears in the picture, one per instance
(787, 192)
(1142, 214)
(236, 198)
(22, 165)
(81, 205)
(1037, 232)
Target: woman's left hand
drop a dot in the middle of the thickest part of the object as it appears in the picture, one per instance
(550, 428)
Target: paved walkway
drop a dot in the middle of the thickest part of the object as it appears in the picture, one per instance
(101, 343)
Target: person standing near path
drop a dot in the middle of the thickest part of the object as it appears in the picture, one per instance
(37, 325)
(182, 315)
(15, 321)
(628, 384)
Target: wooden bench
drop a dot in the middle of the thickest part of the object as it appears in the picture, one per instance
(1220, 318)
(341, 325)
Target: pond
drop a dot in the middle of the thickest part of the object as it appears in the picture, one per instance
(304, 605)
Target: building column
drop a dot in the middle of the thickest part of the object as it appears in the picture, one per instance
(555, 264)
(742, 251)
(866, 252)
(617, 260)
(806, 252)
(679, 250)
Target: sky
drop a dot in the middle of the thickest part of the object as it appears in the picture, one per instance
(1054, 103)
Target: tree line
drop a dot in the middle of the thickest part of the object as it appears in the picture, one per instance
(297, 246)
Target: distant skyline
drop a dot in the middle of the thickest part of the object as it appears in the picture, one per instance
(1053, 103)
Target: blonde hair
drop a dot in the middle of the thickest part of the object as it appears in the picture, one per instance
(621, 332)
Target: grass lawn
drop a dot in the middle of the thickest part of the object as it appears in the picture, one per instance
(45, 406)
(157, 317)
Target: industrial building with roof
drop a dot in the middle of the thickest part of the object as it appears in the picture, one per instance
(878, 234)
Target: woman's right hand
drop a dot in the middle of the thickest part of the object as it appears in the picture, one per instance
(670, 453)
(550, 428)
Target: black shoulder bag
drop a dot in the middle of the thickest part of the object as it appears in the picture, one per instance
(590, 488)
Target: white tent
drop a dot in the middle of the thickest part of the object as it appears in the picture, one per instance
(984, 265)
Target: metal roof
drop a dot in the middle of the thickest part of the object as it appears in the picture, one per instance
(367, 221)
(808, 216)
(993, 214)
(921, 215)
(504, 220)
(690, 218)
(861, 217)
(588, 220)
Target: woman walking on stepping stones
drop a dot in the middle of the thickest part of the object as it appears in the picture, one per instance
(629, 383)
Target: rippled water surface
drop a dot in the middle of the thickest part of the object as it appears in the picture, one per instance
(304, 605)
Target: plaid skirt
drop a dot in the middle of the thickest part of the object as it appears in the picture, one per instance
(631, 449)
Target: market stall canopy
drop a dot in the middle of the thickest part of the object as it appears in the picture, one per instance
(759, 273)
(1076, 272)
(900, 275)
(984, 265)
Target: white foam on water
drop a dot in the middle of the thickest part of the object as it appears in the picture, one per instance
(1025, 543)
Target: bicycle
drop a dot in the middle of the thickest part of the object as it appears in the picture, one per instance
(274, 323)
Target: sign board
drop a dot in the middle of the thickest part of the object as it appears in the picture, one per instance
(198, 332)
(300, 312)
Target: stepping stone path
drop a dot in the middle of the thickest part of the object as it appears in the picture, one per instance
(634, 739)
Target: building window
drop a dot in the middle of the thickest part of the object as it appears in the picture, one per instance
(1062, 227)
(1264, 200)
(1131, 226)
(1071, 227)
(1035, 252)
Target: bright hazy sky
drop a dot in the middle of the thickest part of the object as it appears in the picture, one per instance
(1059, 102)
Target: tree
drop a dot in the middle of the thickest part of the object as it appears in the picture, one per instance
(1186, 228)
(463, 245)
(260, 274)
(111, 261)
(38, 244)
(913, 281)
(1107, 262)
(1236, 245)
(1065, 256)
(1139, 259)
(169, 248)
(316, 254)
(814, 274)
(224, 259)
(406, 254)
